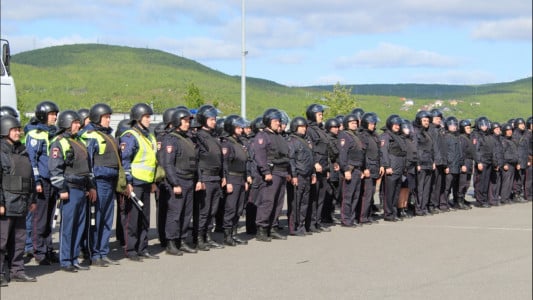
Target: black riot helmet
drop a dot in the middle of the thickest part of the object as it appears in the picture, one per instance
(159, 128)
(139, 110)
(421, 115)
(494, 125)
(330, 123)
(482, 121)
(122, 126)
(518, 121)
(349, 118)
(7, 123)
(219, 127)
(506, 126)
(232, 122)
(8, 111)
(257, 124)
(84, 114)
(358, 112)
(297, 122)
(406, 125)
(463, 124)
(284, 117)
(340, 118)
(179, 114)
(529, 121)
(451, 121)
(97, 111)
(66, 118)
(311, 111)
(271, 114)
(391, 120)
(436, 113)
(167, 115)
(43, 109)
(368, 118)
(182, 107)
(205, 112)
(511, 122)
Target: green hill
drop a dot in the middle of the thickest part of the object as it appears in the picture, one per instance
(77, 76)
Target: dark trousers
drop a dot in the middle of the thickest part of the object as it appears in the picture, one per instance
(391, 185)
(452, 186)
(317, 196)
(424, 190)
(507, 184)
(438, 185)
(73, 218)
(28, 247)
(208, 200)
(251, 206)
(528, 183)
(12, 240)
(518, 184)
(465, 180)
(163, 195)
(481, 183)
(179, 214)
(271, 201)
(135, 222)
(42, 220)
(234, 204)
(495, 187)
(105, 211)
(350, 198)
(368, 188)
(299, 205)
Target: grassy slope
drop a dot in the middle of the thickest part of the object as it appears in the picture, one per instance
(77, 76)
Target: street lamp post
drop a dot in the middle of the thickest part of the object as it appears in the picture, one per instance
(243, 65)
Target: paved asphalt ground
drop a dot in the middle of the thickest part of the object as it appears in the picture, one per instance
(475, 254)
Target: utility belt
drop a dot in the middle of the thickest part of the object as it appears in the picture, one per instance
(239, 174)
(185, 175)
(17, 184)
(211, 172)
(78, 180)
(353, 167)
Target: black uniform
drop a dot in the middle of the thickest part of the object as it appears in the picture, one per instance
(351, 159)
(333, 194)
(483, 167)
(523, 140)
(178, 157)
(370, 141)
(320, 141)
(465, 178)
(393, 153)
(235, 156)
(17, 192)
(439, 177)
(271, 156)
(302, 163)
(424, 144)
(510, 160)
(495, 175)
(454, 163)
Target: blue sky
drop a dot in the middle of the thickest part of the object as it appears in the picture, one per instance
(297, 42)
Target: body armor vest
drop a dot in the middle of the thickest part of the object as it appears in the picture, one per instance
(186, 161)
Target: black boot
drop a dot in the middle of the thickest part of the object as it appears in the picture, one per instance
(172, 249)
(211, 243)
(185, 248)
(202, 245)
(262, 235)
(228, 240)
(275, 235)
(461, 204)
(236, 238)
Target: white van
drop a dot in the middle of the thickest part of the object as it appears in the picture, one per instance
(8, 93)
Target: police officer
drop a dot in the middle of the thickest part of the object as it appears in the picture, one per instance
(178, 156)
(408, 189)
(235, 159)
(39, 133)
(522, 137)
(84, 116)
(272, 162)
(302, 174)
(468, 148)
(333, 194)
(483, 161)
(318, 136)
(122, 126)
(510, 163)
(17, 196)
(352, 166)
(8, 111)
(528, 192)
(393, 152)
(105, 161)
(138, 148)
(254, 179)
(370, 140)
(497, 164)
(210, 175)
(437, 131)
(455, 163)
(426, 164)
(71, 174)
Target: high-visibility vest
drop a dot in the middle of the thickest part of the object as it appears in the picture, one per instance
(145, 161)
(38, 134)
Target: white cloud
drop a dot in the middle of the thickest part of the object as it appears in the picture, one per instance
(511, 29)
(200, 48)
(395, 56)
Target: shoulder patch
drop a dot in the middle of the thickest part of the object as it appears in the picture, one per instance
(342, 142)
(382, 143)
(260, 141)
(474, 141)
(224, 150)
(159, 146)
(55, 152)
(33, 142)
(169, 148)
(122, 146)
